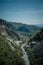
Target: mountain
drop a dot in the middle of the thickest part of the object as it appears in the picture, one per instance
(35, 51)
(10, 52)
(19, 28)
(40, 25)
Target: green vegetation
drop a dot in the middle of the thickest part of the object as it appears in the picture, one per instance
(35, 51)
(26, 30)
(35, 55)
(7, 56)
(38, 36)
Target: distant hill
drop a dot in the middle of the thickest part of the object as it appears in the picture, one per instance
(40, 25)
(19, 28)
(28, 29)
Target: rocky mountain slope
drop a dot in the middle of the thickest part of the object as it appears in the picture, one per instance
(35, 51)
(6, 29)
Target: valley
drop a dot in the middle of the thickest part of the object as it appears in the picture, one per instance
(20, 44)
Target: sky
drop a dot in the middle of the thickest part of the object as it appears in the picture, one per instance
(23, 11)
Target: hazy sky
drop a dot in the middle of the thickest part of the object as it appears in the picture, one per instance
(25, 11)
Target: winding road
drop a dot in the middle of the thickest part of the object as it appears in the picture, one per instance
(25, 57)
(27, 62)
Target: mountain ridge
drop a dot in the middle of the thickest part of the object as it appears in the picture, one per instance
(22, 29)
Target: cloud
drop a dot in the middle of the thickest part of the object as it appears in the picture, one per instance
(33, 11)
(37, 11)
(35, 21)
